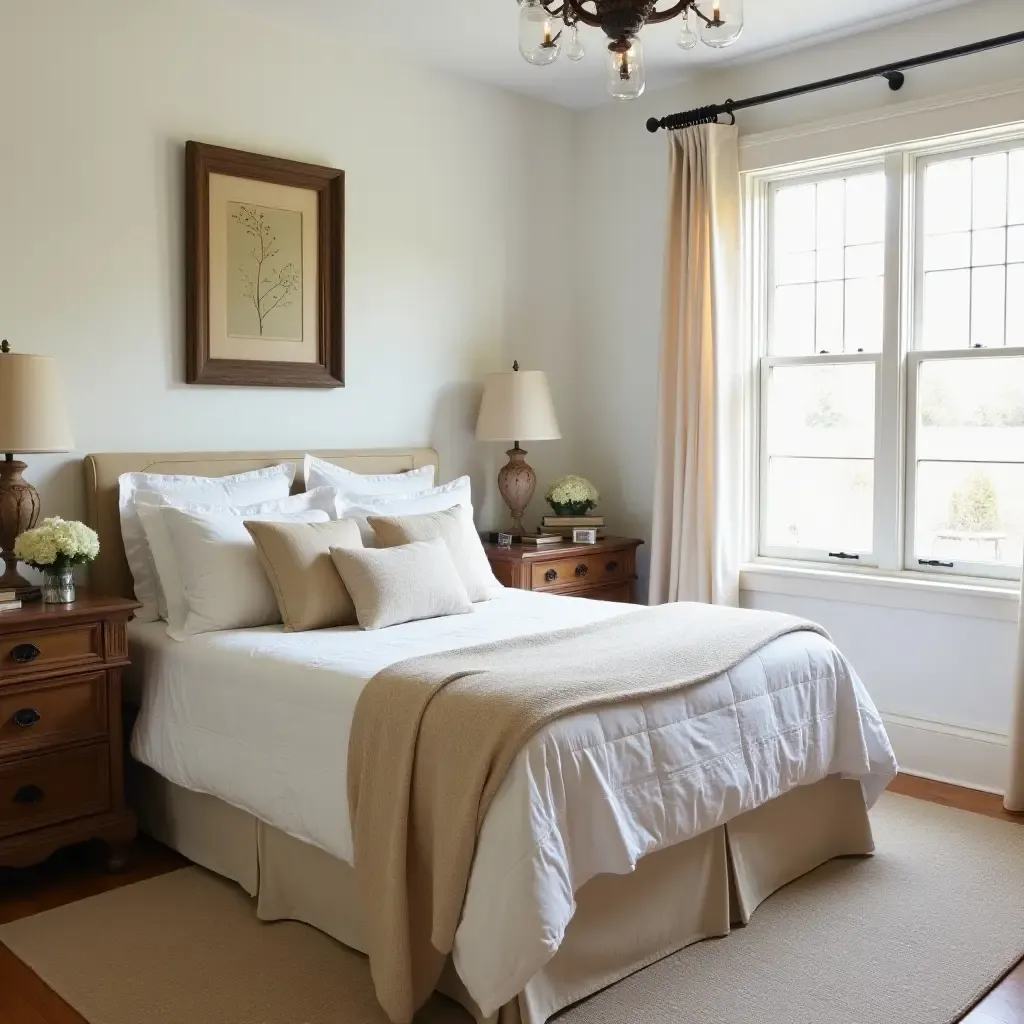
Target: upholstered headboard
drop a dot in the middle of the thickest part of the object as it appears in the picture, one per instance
(109, 574)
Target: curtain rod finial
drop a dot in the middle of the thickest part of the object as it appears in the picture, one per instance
(653, 124)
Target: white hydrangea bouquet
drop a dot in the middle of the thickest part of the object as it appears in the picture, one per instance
(56, 548)
(57, 545)
(572, 496)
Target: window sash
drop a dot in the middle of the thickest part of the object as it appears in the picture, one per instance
(959, 568)
(804, 554)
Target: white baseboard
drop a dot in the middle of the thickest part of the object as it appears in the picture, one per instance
(950, 753)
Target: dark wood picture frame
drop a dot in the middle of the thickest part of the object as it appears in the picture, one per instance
(329, 183)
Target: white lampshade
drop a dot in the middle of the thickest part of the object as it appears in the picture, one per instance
(517, 406)
(33, 414)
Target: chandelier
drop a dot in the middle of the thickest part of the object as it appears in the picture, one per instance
(546, 26)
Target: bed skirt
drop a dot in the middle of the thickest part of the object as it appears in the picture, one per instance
(675, 897)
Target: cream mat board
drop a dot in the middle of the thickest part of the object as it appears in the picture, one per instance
(914, 935)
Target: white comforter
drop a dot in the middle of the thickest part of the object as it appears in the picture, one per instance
(261, 719)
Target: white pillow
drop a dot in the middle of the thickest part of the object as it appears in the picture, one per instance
(171, 602)
(240, 489)
(437, 499)
(319, 473)
(222, 577)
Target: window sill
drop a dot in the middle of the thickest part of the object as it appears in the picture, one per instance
(983, 599)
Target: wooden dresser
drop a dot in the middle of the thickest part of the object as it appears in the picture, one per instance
(61, 749)
(605, 571)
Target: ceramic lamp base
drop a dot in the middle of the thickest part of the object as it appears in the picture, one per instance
(517, 482)
(19, 511)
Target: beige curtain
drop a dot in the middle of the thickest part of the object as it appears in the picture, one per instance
(698, 491)
(1015, 790)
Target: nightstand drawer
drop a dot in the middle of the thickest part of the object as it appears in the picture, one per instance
(48, 650)
(33, 718)
(44, 790)
(593, 570)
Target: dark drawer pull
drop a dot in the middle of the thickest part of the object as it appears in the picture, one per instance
(581, 569)
(612, 567)
(28, 795)
(24, 653)
(26, 717)
(551, 575)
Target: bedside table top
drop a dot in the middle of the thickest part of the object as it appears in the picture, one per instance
(87, 607)
(535, 552)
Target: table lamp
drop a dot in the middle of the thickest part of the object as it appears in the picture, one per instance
(517, 407)
(33, 420)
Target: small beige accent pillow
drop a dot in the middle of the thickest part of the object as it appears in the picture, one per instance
(402, 584)
(297, 560)
(455, 527)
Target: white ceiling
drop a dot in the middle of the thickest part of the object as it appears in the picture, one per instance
(477, 38)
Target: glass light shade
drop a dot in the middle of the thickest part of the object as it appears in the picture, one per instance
(540, 34)
(687, 37)
(575, 50)
(727, 18)
(626, 75)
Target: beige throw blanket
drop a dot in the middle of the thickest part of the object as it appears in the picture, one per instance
(433, 738)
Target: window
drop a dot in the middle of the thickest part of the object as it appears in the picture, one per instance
(891, 331)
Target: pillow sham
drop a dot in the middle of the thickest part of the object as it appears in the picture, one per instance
(168, 579)
(394, 585)
(436, 499)
(456, 528)
(222, 576)
(297, 559)
(239, 489)
(320, 473)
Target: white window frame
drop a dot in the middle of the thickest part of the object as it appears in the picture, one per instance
(897, 365)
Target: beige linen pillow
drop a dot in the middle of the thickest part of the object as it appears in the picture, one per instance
(298, 564)
(455, 527)
(402, 584)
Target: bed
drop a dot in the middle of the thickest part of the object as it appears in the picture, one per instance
(618, 837)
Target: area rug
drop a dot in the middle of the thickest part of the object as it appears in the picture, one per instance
(914, 935)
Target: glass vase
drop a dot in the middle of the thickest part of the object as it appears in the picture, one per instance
(59, 586)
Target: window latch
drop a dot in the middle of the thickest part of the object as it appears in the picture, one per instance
(935, 563)
(843, 554)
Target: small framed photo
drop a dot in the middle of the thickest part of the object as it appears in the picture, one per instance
(582, 535)
(504, 540)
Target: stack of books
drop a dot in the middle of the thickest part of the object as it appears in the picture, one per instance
(562, 526)
(9, 601)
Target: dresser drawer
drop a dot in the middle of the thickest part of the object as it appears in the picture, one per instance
(49, 650)
(593, 570)
(33, 718)
(50, 788)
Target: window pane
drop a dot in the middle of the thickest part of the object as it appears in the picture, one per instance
(820, 504)
(865, 209)
(822, 410)
(988, 307)
(832, 264)
(1015, 245)
(830, 317)
(865, 315)
(865, 261)
(794, 268)
(1015, 304)
(947, 191)
(989, 198)
(794, 219)
(970, 451)
(971, 512)
(947, 309)
(793, 332)
(989, 247)
(1016, 212)
(831, 213)
(947, 252)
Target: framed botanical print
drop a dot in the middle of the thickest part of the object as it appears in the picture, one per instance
(264, 270)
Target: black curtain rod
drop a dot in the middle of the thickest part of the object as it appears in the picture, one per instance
(894, 73)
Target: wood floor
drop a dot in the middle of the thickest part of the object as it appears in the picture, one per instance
(78, 873)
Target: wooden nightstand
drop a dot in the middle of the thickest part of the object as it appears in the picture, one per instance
(605, 571)
(61, 750)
